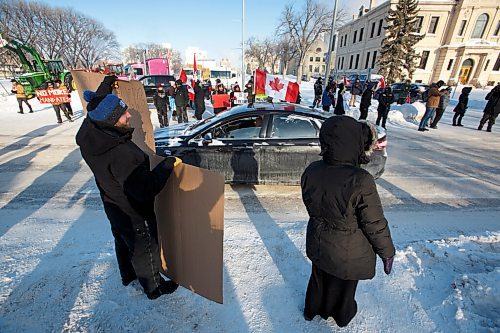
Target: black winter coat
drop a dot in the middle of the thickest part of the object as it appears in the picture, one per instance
(366, 99)
(463, 101)
(347, 227)
(318, 88)
(493, 98)
(356, 88)
(160, 100)
(122, 174)
(339, 107)
(199, 99)
(181, 96)
(385, 100)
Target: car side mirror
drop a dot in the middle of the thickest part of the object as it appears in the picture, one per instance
(207, 138)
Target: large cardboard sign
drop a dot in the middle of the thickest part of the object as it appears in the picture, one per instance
(189, 210)
(53, 96)
(132, 93)
(220, 101)
(191, 232)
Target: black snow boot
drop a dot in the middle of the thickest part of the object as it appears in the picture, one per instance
(166, 287)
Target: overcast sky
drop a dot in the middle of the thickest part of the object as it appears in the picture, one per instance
(213, 26)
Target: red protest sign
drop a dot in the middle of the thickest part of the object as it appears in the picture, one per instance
(220, 101)
(53, 96)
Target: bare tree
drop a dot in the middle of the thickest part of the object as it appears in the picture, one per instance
(286, 52)
(304, 27)
(57, 32)
(259, 51)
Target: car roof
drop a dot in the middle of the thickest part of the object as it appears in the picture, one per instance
(279, 106)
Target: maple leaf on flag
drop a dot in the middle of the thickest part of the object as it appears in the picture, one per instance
(276, 84)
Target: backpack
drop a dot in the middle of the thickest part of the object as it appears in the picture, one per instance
(425, 95)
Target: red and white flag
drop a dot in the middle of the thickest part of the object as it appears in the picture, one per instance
(183, 77)
(195, 69)
(381, 83)
(275, 87)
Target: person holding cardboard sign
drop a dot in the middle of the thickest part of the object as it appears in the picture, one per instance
(127, 186)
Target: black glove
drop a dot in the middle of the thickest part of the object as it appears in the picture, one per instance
(106, 86)
(388, 264)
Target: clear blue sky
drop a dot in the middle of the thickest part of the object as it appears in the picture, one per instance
(214, 26)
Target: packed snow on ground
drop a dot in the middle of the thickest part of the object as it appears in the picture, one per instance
(59, 272)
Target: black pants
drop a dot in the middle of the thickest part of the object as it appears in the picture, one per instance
(69, 108)
(363, 110)
(58, 109)
(437, 117)
(181, 114)
(326, 108)
(488, 117)
(162, 115)
(20, 102)
(317, 100)
(457, 118)
(138, 254)
(329, 296)
(382, 116)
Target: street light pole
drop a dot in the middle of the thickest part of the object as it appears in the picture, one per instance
(242, 43)
(332, 35)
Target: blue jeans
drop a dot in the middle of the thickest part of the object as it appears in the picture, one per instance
(429, 112)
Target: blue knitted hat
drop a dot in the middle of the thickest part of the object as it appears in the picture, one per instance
(107, 108)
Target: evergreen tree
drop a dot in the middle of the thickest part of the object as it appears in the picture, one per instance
(397, 55)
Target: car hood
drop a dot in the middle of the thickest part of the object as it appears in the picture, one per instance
(177, 130)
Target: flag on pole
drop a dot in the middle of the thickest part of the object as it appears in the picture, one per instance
(183, 76)
(273, 86)
(195, 69)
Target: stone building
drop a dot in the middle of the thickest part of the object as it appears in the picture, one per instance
(461, 41)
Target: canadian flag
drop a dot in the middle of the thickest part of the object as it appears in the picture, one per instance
(273, 86)
(381, 83)
(190, 91)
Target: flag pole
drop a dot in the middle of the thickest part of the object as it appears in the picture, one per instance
(242, 43)
(332, 36)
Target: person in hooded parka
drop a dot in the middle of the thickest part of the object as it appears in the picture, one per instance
(347, 227)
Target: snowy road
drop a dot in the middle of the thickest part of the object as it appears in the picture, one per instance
(441, 192)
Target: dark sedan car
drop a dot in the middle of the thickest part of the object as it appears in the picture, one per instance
(151, 83)
(269, 143)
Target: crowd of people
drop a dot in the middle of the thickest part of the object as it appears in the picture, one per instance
(436, 100)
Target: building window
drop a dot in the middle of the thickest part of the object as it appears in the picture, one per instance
(350, 61)
(374, 58)
(323, 68)
(480, 26)
(418, 23)
(318, 59)
(487, 63)
(373, 30)
(497, 29)
(311, 58)
(357, 61)
(361, 34)
(497, 64)
(318, 50)
(341, 40)
(462, 28)
(433, 25)
(345, 40)
(423, 59)
(367, 62)
(450, 63)
(379, 31)
(324, 60)
(316, 69)
(338, 63)
(342, 63)
(310, 68)
(354, 37)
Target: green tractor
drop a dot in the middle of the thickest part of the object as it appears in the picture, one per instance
(39, 71)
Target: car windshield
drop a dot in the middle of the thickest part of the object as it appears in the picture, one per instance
(201, 124)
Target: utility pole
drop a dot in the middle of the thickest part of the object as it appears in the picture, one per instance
(242, 43)
(332, 35)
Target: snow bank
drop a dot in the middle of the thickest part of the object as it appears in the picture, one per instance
(414, 111)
